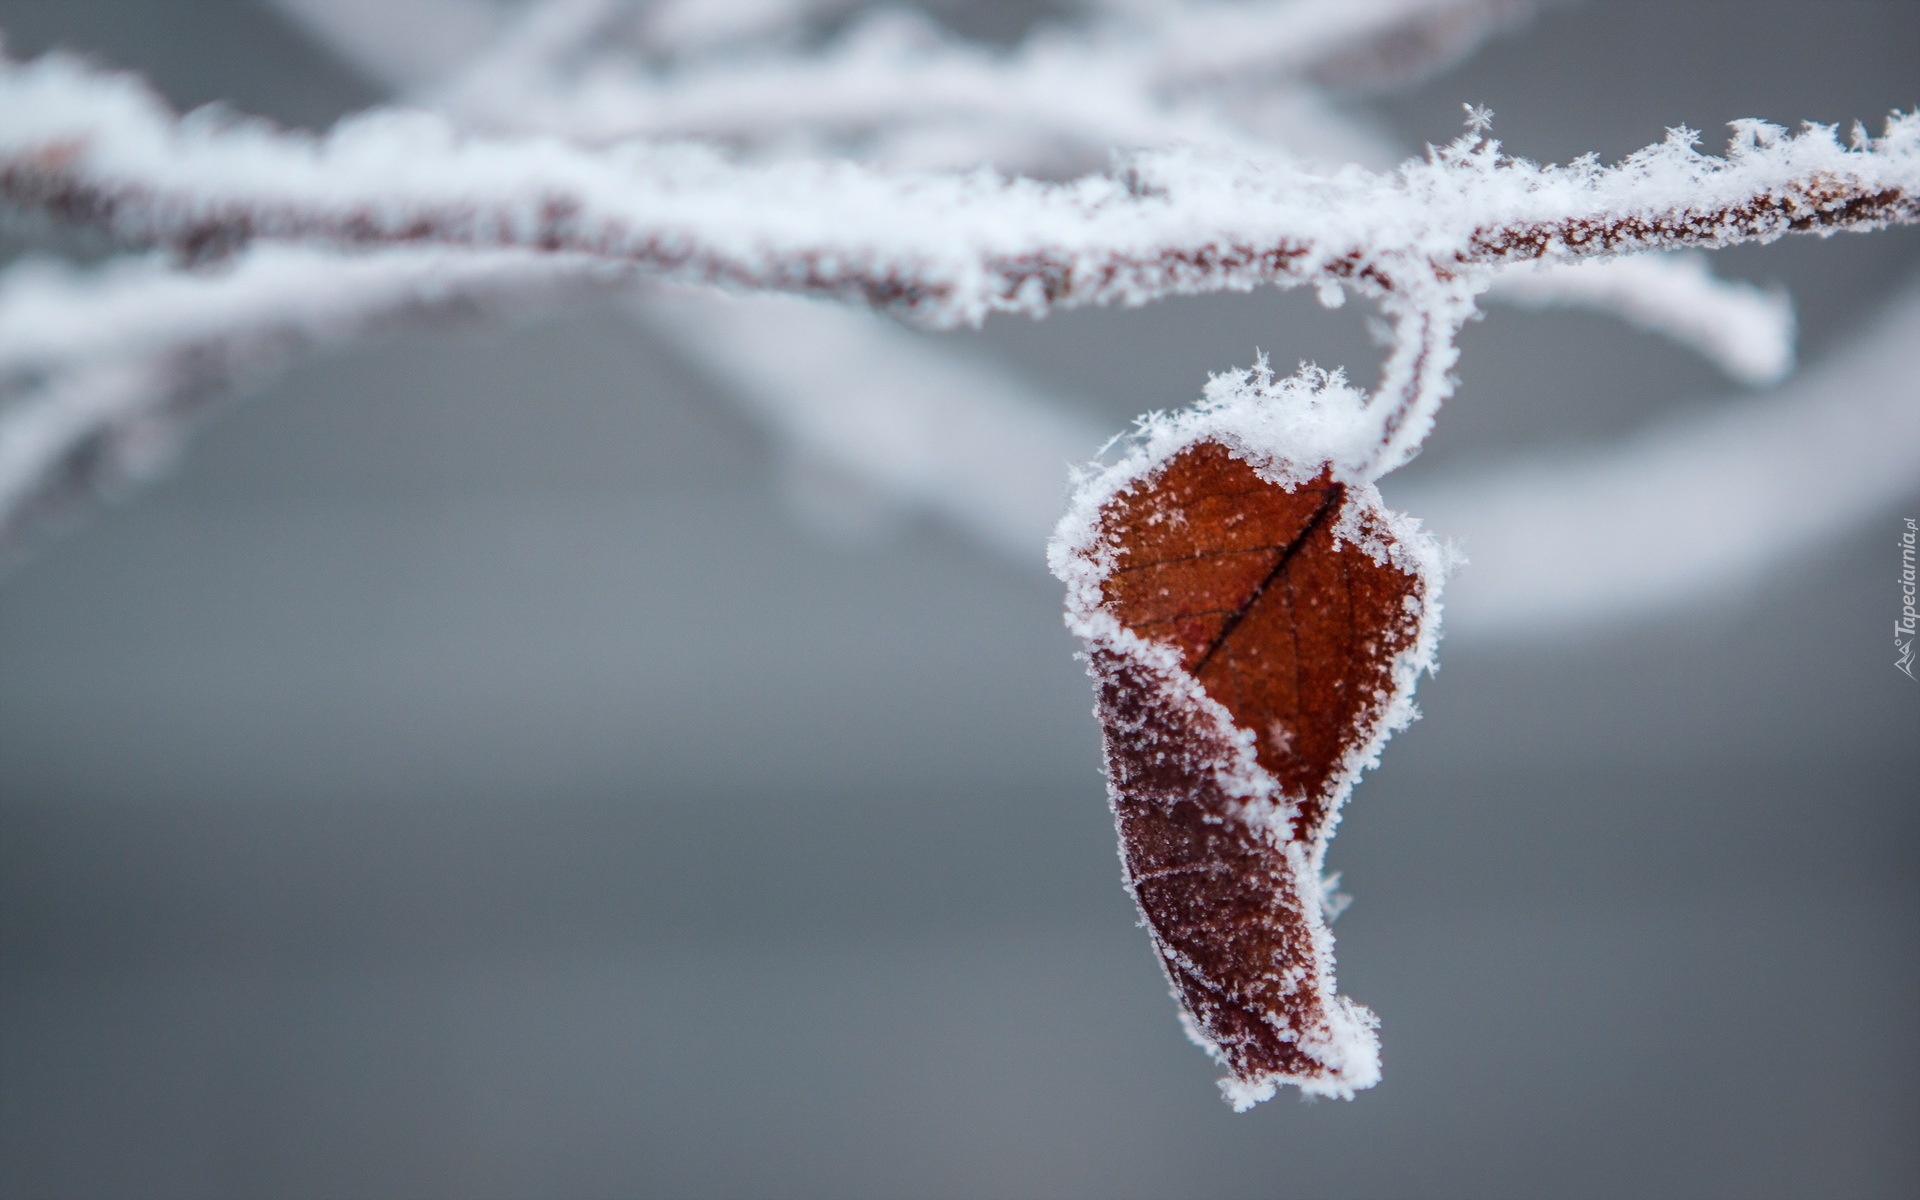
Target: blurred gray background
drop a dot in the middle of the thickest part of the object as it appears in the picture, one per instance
(462, 777)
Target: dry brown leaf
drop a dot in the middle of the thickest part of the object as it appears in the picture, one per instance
(1254, 636)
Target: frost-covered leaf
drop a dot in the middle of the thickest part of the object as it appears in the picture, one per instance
(1254, 619)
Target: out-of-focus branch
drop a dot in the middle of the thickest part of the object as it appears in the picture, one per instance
(1747, 331)
(892, 86)
(907, 424)
(101, 371)
(401, 45)
(53, 316)
(1180, 73)
(1688, 507)
(1329, 42)
(1413, 41)
(688, 27)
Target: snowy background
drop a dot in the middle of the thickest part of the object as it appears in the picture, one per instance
(469, 775)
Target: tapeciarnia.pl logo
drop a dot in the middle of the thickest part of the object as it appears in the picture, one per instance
(1903, 628)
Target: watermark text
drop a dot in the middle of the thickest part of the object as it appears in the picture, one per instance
(1903, 627)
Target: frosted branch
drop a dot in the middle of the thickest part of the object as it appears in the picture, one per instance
(435, 214)
(1418, 376)
(945, 249)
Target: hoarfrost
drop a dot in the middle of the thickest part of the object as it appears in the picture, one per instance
(1216, 213)
(1146, 151)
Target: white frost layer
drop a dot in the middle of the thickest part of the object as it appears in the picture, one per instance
(1290, 431)
(949, 248)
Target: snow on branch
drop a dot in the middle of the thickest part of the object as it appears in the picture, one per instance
(944, 249)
